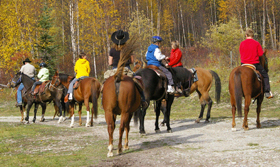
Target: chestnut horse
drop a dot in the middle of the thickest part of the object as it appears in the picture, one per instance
(202, 86)
(87, 91)
(243, 82)
(120, 97)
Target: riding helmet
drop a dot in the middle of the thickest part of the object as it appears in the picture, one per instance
(156, 39)
(43, 64)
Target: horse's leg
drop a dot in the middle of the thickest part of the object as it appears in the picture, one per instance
(124, 121)
(142, 117)
(44, 106)
(127, 128)
(233, 111)
(71, 111)
(168, 110)
(259, 104)
(110, 120)
(56, 109)
(202, 104)
(157, 111)
(80, 114)
(209, 102)
(21, 112)
(246, 111)
(35, 111)
(86, 101)
(27, 112)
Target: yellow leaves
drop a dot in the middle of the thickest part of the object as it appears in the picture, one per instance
(223, 10)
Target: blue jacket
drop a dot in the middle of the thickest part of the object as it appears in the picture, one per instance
(150, 57)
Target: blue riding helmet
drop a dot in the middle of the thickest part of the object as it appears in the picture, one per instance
(156, 39)
(43, 64)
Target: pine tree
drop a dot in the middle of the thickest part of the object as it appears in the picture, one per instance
(46, 46)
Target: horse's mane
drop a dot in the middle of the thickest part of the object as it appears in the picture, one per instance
(125, 55)
(63, 77)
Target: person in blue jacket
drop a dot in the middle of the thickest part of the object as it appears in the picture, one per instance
(154, 57)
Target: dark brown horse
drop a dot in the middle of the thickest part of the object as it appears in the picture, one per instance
(202, 86)
(243, 82)
(120, 97)
(87, 91)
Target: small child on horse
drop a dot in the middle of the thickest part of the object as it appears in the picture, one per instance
(43, 76)
(154, 57)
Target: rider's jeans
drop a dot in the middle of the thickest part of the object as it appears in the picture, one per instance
(19, 97)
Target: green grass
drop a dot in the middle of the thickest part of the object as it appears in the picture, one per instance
(42, 145)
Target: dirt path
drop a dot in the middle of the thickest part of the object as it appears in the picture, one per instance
(191, 144)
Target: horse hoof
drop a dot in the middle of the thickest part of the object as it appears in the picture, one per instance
(71, 126)
(157, 131)
(110, 154)
(142, 132)
(87, 125)
(246, 129)
(233, 129)
(197, 121)
(169, 131)
(119, 152)
(126, 148)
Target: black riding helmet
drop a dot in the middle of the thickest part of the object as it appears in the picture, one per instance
(43, 64)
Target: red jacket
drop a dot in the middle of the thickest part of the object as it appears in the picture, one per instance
(175, 58)
(250, 51)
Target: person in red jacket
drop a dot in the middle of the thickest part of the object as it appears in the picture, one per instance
(175, 55)
(250, 51)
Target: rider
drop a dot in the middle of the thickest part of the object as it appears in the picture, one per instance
(28, 70)
(119, 39)
(43, 76)
(154, 57)
(250, 51)
(82, 70)
(175, 55)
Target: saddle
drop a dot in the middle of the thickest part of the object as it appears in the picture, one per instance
(254, 69)
(40, 88)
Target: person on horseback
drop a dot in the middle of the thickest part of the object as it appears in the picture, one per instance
(82, 70)
(154, 57)
(119, 39)
(28, 70)
(250, 51)
(43, 76)
(175, 55)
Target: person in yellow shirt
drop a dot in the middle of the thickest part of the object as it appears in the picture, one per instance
(82, 70)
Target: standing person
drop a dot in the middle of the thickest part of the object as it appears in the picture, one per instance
(28, 70)
(154, 57)
(250, 51)
(175, 55)
(119, 39)
(43, 76)
(82, 70)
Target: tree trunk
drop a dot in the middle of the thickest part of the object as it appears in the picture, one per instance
(215, 14)
(62, 30)
(263, 25)
(139, 27)
(158, 18)
(94, 60)
(274, 29)
(183, 26)
(78, 27)
(152, 25)
(245, 11)
(270, 29)
(73, 40)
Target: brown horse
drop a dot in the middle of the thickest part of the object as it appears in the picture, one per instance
(87, 91)
(202, 86)
(243, 82)
(120, 97)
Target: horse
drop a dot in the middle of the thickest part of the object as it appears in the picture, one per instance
(87, 91)
(202, 86)
(48, 95)
(120, 97)
(244, 82)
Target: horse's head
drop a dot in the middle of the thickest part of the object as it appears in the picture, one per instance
(137, 65)
(16, 80)
(55, 80)
(264, 61)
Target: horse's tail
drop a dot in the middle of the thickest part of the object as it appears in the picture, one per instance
(125, 55)
(95, 91)
(238, 92)
(217, 86)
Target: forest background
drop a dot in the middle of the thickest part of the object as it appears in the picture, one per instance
(56, 31)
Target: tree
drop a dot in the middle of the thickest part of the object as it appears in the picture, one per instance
(46, 45)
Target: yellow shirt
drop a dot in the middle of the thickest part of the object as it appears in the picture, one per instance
(82, 68)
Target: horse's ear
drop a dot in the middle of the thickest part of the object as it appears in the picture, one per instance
(56, 72)
(264, 51)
